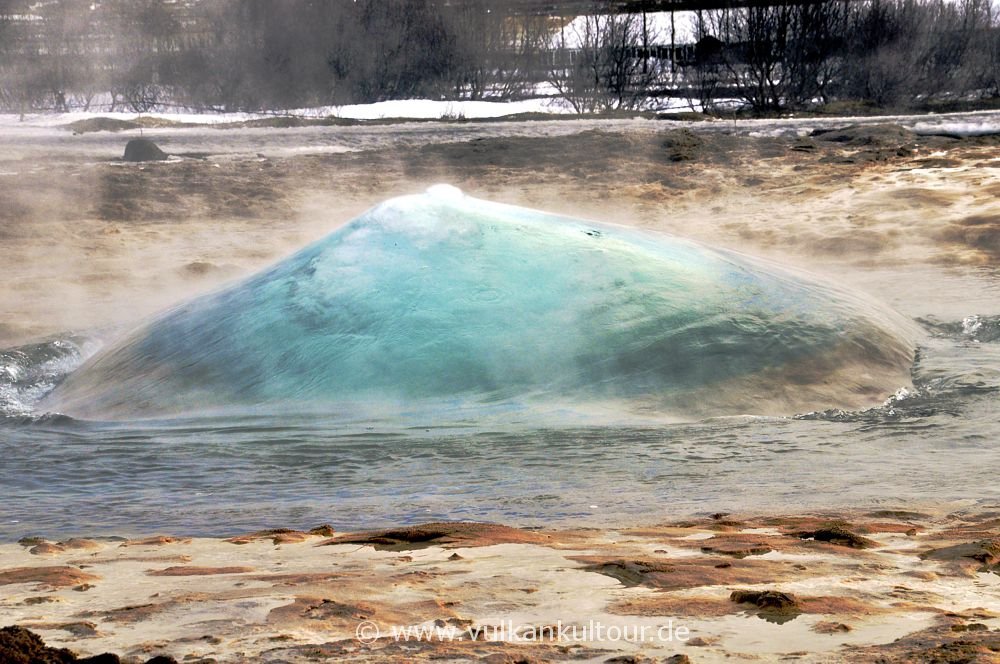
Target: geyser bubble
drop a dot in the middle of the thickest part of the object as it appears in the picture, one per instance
(441, 298)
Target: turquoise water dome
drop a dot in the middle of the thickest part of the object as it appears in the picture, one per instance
(444, 298)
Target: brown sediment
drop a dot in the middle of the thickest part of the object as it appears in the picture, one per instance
(680, 573)
(80, 628)
(787, 534)
(936, 645)
(317, 608)
(46, 548)
(389, 651)
(158, 540)
(133, 613)
(299, 579)
(737, 545)
(73, 544)
(276, 535)
(77, 544)
(305, 601)
(686, 604)
(866, 525)
(968, 558)
(672, 604)
(839, 536)
(448, 534)
(179, 558)
(343, 615)
(53, 577)
(186, 570)
(830, 627)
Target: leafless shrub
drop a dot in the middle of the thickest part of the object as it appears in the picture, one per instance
(778, 56)
(600, 65)
(496, 56)
(905, 52)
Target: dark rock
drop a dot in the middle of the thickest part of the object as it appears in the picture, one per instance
(678, 659)
(453, 533)
(46, 548)
(776, 607)
(21, 646)
(859, 135)
(897, 514)
(58, 576)
(985, 551)
(804, 145)
(104, 658)
(44, 599)
(765, 599)
(199, 268)
(681, 144)
(839, 536)
(936, 162)
(961, 651)
(81, 628)
(143, 149)
(162, 659)
(31, 541)
(829, 627)
(685, 572)
(737, 546)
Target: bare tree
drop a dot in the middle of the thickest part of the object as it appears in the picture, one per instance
(756, 39)
(781, 56)
(903, 52)
(952, 61)
(601, 65)
(812, 59)
(392, 50)
(496, 54)
(984, 53)
(704, 69)
(12, 71)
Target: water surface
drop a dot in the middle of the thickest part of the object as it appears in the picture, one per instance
(935, 444)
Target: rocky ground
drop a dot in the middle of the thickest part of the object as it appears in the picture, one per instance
(886, 586)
